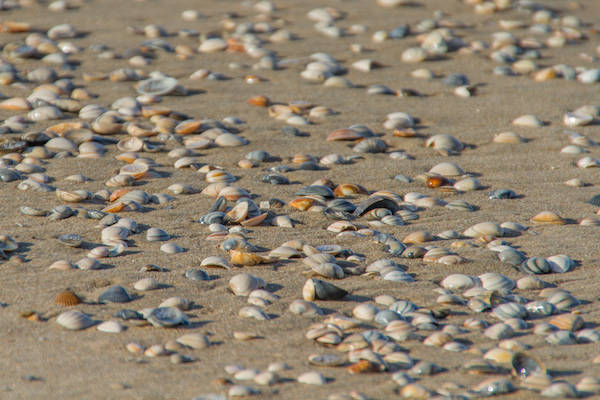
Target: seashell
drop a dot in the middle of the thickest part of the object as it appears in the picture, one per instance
(509, 310)
(499, 331)
(500, 356)
(253, 312)
(327, 270)
(437, 339)
(417, 237)
(212, 45)
(111, 327)
(370, 145)
(424, 368)
(511, 256)
(548, 217)
(588, 385)
(67, 298)
(573, 119)
(242, 258)
(561, 338)
(61, 265)
(194, 340)
(159, 86)
(560, 389)
(495, 281)
(530, 283)
(479, 367)
(494, 386)
(562, 300)
(87, 264)
(137, 171)
(146, 284)
(560, 263)
(528, 120)
(74, 320)
(535, 265)
(241, 391)
(115, 294)
(243, 284)
(524, 366)
(588, 162)
(445, 142)
(567, 322)
(588, 336)
(305, 308)
(215, 262)
(167, 317)
(467, 184)
(316, 289)
(177, 302)
(447, 169)
(312, 378)
(541, 308)
(156, 235)
(508, 138)
(484, 229)
(458, 282)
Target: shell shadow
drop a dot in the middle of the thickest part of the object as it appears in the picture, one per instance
(356, 298)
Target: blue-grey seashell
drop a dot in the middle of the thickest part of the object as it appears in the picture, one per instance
(196, 274)
(115, 294)
(502, 194)
(167, 317)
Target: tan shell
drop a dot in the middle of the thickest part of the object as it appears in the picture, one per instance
(194, 340)
(548, 217)
(567, 322)
(242, 258)
(417, 237)
(67, 298)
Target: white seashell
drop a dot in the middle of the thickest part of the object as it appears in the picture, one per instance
(177, 302)
(194, 340)
(171, 248)
(484, 229)
(253, 312)
(312, 378)
(588, 162)
(499, 331)
(572, 119)
(146, 284)
(305, 308)
(496, 281)
(445, 142)
(243, 284)
(111, 327)
(458, 282)
(560, 263)
(74, 320)
(528, 120)
(365, 312)
(212, 45)
(446, 169)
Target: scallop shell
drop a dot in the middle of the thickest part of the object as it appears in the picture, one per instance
(67, 298)
(74, 320)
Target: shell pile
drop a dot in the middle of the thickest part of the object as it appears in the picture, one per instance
(357, 200)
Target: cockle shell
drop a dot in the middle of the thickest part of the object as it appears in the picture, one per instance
(74, 320)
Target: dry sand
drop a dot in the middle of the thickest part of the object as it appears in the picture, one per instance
(93, 365)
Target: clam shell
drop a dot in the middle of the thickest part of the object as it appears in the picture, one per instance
(146, 284)
(548, 217)
(157, 86)
(312, 378)
(484, 229)
(495, 281)
(567, 322)
(305, 308)
(243, 284)
(523, 366)
(458, 282)
(167, 317)
(560, 389)
(194, 340)
(111, 327)
(115, 294)
(499, 331)
(74, 320)
(215, 262)
(316, 289)
(447, 169)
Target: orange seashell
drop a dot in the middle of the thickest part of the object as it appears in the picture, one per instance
(254, 221)
(239, 257)
(302, 158)
(404, 132)
(567, 322)
(114, 208)
(344, 134)
(348, 189)
(137, 171)
(417, 237)
(261, 101)
(300, 107)
(233, 193)
(188, 127)
(246, 164)
(15, 104)
(250, 79)
(234, 44)
(137, 130)
(548, 217)
(118, 194)
(302, 203)
(237, 213)
(214, 189)
(436, 181)
(64, 127)
(362, 367)
(67, 298)
(15, 27)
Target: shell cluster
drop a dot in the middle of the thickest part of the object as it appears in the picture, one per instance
(356, 200)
